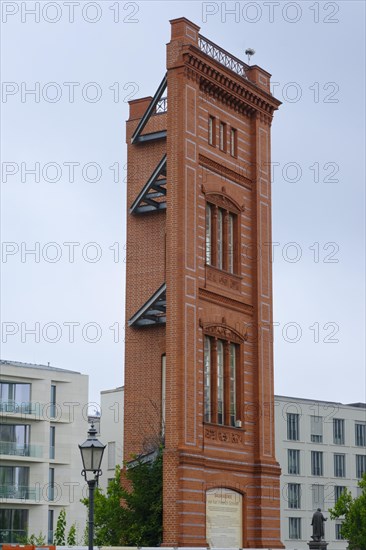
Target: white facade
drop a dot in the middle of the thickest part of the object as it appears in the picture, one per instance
(111, 432)
(43, 419)
(321, 447)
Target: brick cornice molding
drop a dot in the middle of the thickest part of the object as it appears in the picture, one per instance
(214, 79)
(212, 297)
(223, 170)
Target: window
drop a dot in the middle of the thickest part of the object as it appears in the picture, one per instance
(163, 392)
(220, 381)
(233, 143)
(14, 396)
(14, 439)
(212, 130)
(14, 482)
(316, 429)
(338, 431)
(294, 495)
(360, 465)
(53, 401)
(293, 458)
(293, 433)
(222, 136)
(111, 455)
(360, 434)
(339, 465)
(338, 490)
(52, 441)
(51, 484)
(50, 526)
(294, 528)
(316, 463)
(16, 522)
(338, 534)
(318, 496)
(221, 238)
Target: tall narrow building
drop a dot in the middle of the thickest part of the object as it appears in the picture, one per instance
(199, 353)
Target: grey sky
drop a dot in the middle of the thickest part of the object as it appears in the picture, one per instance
(315, 52)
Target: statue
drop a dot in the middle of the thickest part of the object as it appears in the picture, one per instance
(318, 525)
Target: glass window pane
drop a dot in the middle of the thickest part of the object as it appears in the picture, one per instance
(207, 379)
(220, 382)
(220, 244)
(208, 234)
(232, 371)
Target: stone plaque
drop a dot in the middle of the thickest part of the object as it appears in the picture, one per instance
(224, 518)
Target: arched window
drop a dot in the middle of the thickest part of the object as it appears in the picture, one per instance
(222, 378)
(221, 234)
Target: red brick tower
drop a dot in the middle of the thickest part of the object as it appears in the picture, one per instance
(199, 357)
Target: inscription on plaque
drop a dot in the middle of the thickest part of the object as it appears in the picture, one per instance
(224, 518)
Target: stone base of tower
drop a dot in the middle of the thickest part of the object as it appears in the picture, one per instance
(210, 502)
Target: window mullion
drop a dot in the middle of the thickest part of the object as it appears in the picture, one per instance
(225, 241)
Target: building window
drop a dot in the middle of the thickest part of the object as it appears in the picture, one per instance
(212, 131)
(360, 434)
(14, 482)
(338, 490)
(51, 484)
(339, 465)
(222, 136)
(293, 458)
(15, 397)
(294, 528)
(221, 238)
(50, 526)
(16, 522)
(360, 465)
(233, 142)
(111, 455)
(316, 463)
(316, 429)
(338, 431)
(53, 401)
(338, 534)
(14, 439)
(163, 392)
(294, 495)
(293, 432)
(52, 441)
(220, 381)
(318, 496)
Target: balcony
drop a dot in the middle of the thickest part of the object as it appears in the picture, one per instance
(20, 492)
(222, 56)
(14, 449)
(13, 407)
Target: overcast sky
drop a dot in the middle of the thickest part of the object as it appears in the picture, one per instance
(84, 61)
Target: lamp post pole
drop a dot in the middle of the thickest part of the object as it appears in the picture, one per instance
(91, 483)
(91, 454)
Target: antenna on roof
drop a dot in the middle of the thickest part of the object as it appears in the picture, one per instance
(249, 52)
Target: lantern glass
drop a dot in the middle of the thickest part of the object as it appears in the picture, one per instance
(92, 452)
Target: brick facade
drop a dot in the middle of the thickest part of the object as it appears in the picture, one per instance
(203, 299)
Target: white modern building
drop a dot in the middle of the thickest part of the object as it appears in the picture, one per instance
(43, 418)
(321, 447)
(111, 432)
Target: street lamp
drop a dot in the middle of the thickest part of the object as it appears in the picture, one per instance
(91, 454)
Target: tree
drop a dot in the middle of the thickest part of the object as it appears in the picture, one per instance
(71, 537)
(131, 517)
(59, 535)
(354, 512)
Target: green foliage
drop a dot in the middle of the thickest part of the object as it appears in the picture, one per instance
(71, 537)
(131, 518)
(59, 534)
(34, 540)
(354, 512)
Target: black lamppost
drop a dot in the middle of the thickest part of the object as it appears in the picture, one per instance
(91, 454)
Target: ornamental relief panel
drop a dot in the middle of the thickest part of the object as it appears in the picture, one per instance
(224, 435)
(222, 331)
